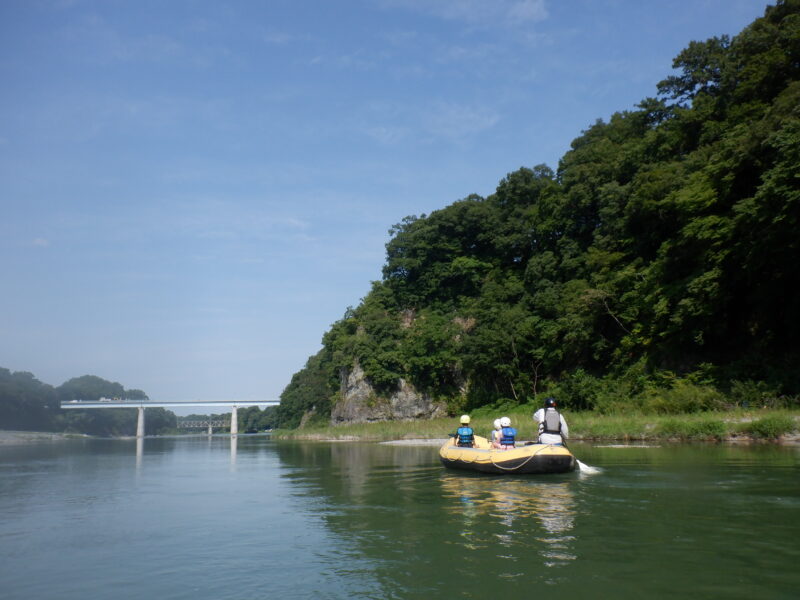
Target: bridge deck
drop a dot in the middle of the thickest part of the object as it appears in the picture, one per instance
(167, 404)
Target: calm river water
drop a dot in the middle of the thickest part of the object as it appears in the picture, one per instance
(190, 518)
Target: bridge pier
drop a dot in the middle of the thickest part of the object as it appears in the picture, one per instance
(234, 422)
(139, 451)
(140, 423)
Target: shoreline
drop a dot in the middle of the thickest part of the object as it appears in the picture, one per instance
(15, 438)
(784, 440)
(759, 426)
(396, 436)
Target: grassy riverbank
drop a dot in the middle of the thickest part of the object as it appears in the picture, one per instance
(738, 425)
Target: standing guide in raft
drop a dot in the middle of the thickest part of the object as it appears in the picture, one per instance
(465, 436)
(552, 426)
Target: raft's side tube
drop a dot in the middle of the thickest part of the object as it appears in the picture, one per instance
(532, 459)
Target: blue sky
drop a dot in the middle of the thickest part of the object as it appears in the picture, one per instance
(192, 192)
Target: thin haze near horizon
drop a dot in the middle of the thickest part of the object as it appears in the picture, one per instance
(191, 193)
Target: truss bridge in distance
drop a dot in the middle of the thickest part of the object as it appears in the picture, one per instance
(209, 424)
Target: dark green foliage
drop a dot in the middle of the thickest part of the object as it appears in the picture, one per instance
(684, 397)
(751, 394)
(307, 395)
(89, 387)
(577, 390)
(27, 404)
(157, 420)
(659, 264)
(252, 419)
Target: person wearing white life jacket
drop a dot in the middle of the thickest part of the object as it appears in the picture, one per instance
(552, 426)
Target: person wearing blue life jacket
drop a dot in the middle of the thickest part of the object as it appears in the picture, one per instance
(465, 437)
(508, 434)
(552, 426)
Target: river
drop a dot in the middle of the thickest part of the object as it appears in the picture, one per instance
(196, 518)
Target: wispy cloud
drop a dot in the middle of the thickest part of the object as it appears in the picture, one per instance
(358, 60)
(456, 121)
(278, 38)
(528, 11)
(478, 12)
(220, 219)
(386, 134)
(281, 38)
(40, 242)
(97, 41)
(437, 121)
(108, 44)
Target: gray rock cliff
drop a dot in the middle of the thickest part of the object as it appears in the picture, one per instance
(359, 403)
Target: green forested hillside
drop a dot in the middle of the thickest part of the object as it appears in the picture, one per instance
(27, 404)
(658, 265)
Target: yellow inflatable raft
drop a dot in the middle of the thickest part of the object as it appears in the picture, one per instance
(524, 459)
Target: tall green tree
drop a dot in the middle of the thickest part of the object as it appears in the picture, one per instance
(664, 245)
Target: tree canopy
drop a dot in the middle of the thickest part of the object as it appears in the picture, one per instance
(665, 246)
(27, 404)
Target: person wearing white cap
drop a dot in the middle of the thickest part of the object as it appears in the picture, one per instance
(496, 434)
(508, 434)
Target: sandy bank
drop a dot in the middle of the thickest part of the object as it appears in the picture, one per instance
(8, 438)
(420, 442)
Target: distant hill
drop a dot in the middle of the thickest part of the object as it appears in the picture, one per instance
(27, 404)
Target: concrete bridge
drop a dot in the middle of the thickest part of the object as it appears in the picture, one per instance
(142, 404)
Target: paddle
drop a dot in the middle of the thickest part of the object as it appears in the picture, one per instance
(582, 467)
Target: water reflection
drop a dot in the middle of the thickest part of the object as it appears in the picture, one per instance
(139, 452)
(160, 447)
(512, 504)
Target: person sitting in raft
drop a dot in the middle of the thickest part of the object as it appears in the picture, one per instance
(552, 426)
(465, 437)
(496, 434)
(508, 434)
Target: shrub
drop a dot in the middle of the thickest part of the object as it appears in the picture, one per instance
(769, 427)
(685, 397)
(618, 396)
(751, 393)
(576, 391)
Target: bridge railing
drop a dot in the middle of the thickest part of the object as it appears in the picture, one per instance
(202, 424)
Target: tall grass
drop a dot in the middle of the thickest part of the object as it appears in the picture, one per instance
(699, 427)
(593, 426)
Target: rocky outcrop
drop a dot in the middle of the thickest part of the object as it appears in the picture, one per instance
(307, 416)
(359, 403)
